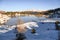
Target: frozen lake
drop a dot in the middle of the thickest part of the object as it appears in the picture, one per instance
(45, 31)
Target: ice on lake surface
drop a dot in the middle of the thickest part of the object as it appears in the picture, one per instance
(45, 31)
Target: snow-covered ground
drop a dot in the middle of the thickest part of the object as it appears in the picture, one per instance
(3, 18)
(45, 31)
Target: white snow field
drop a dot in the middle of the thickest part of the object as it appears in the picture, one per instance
(45, 31)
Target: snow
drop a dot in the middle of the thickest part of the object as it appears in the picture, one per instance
(4, 18)
(31, 24)
(45, 31)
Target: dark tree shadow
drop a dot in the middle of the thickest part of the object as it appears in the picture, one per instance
(21, 36)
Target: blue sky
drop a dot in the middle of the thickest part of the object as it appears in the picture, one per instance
(18, 5)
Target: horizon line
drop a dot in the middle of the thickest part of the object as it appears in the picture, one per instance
(27, 10)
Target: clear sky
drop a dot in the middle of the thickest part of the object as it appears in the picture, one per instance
(18, 5)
